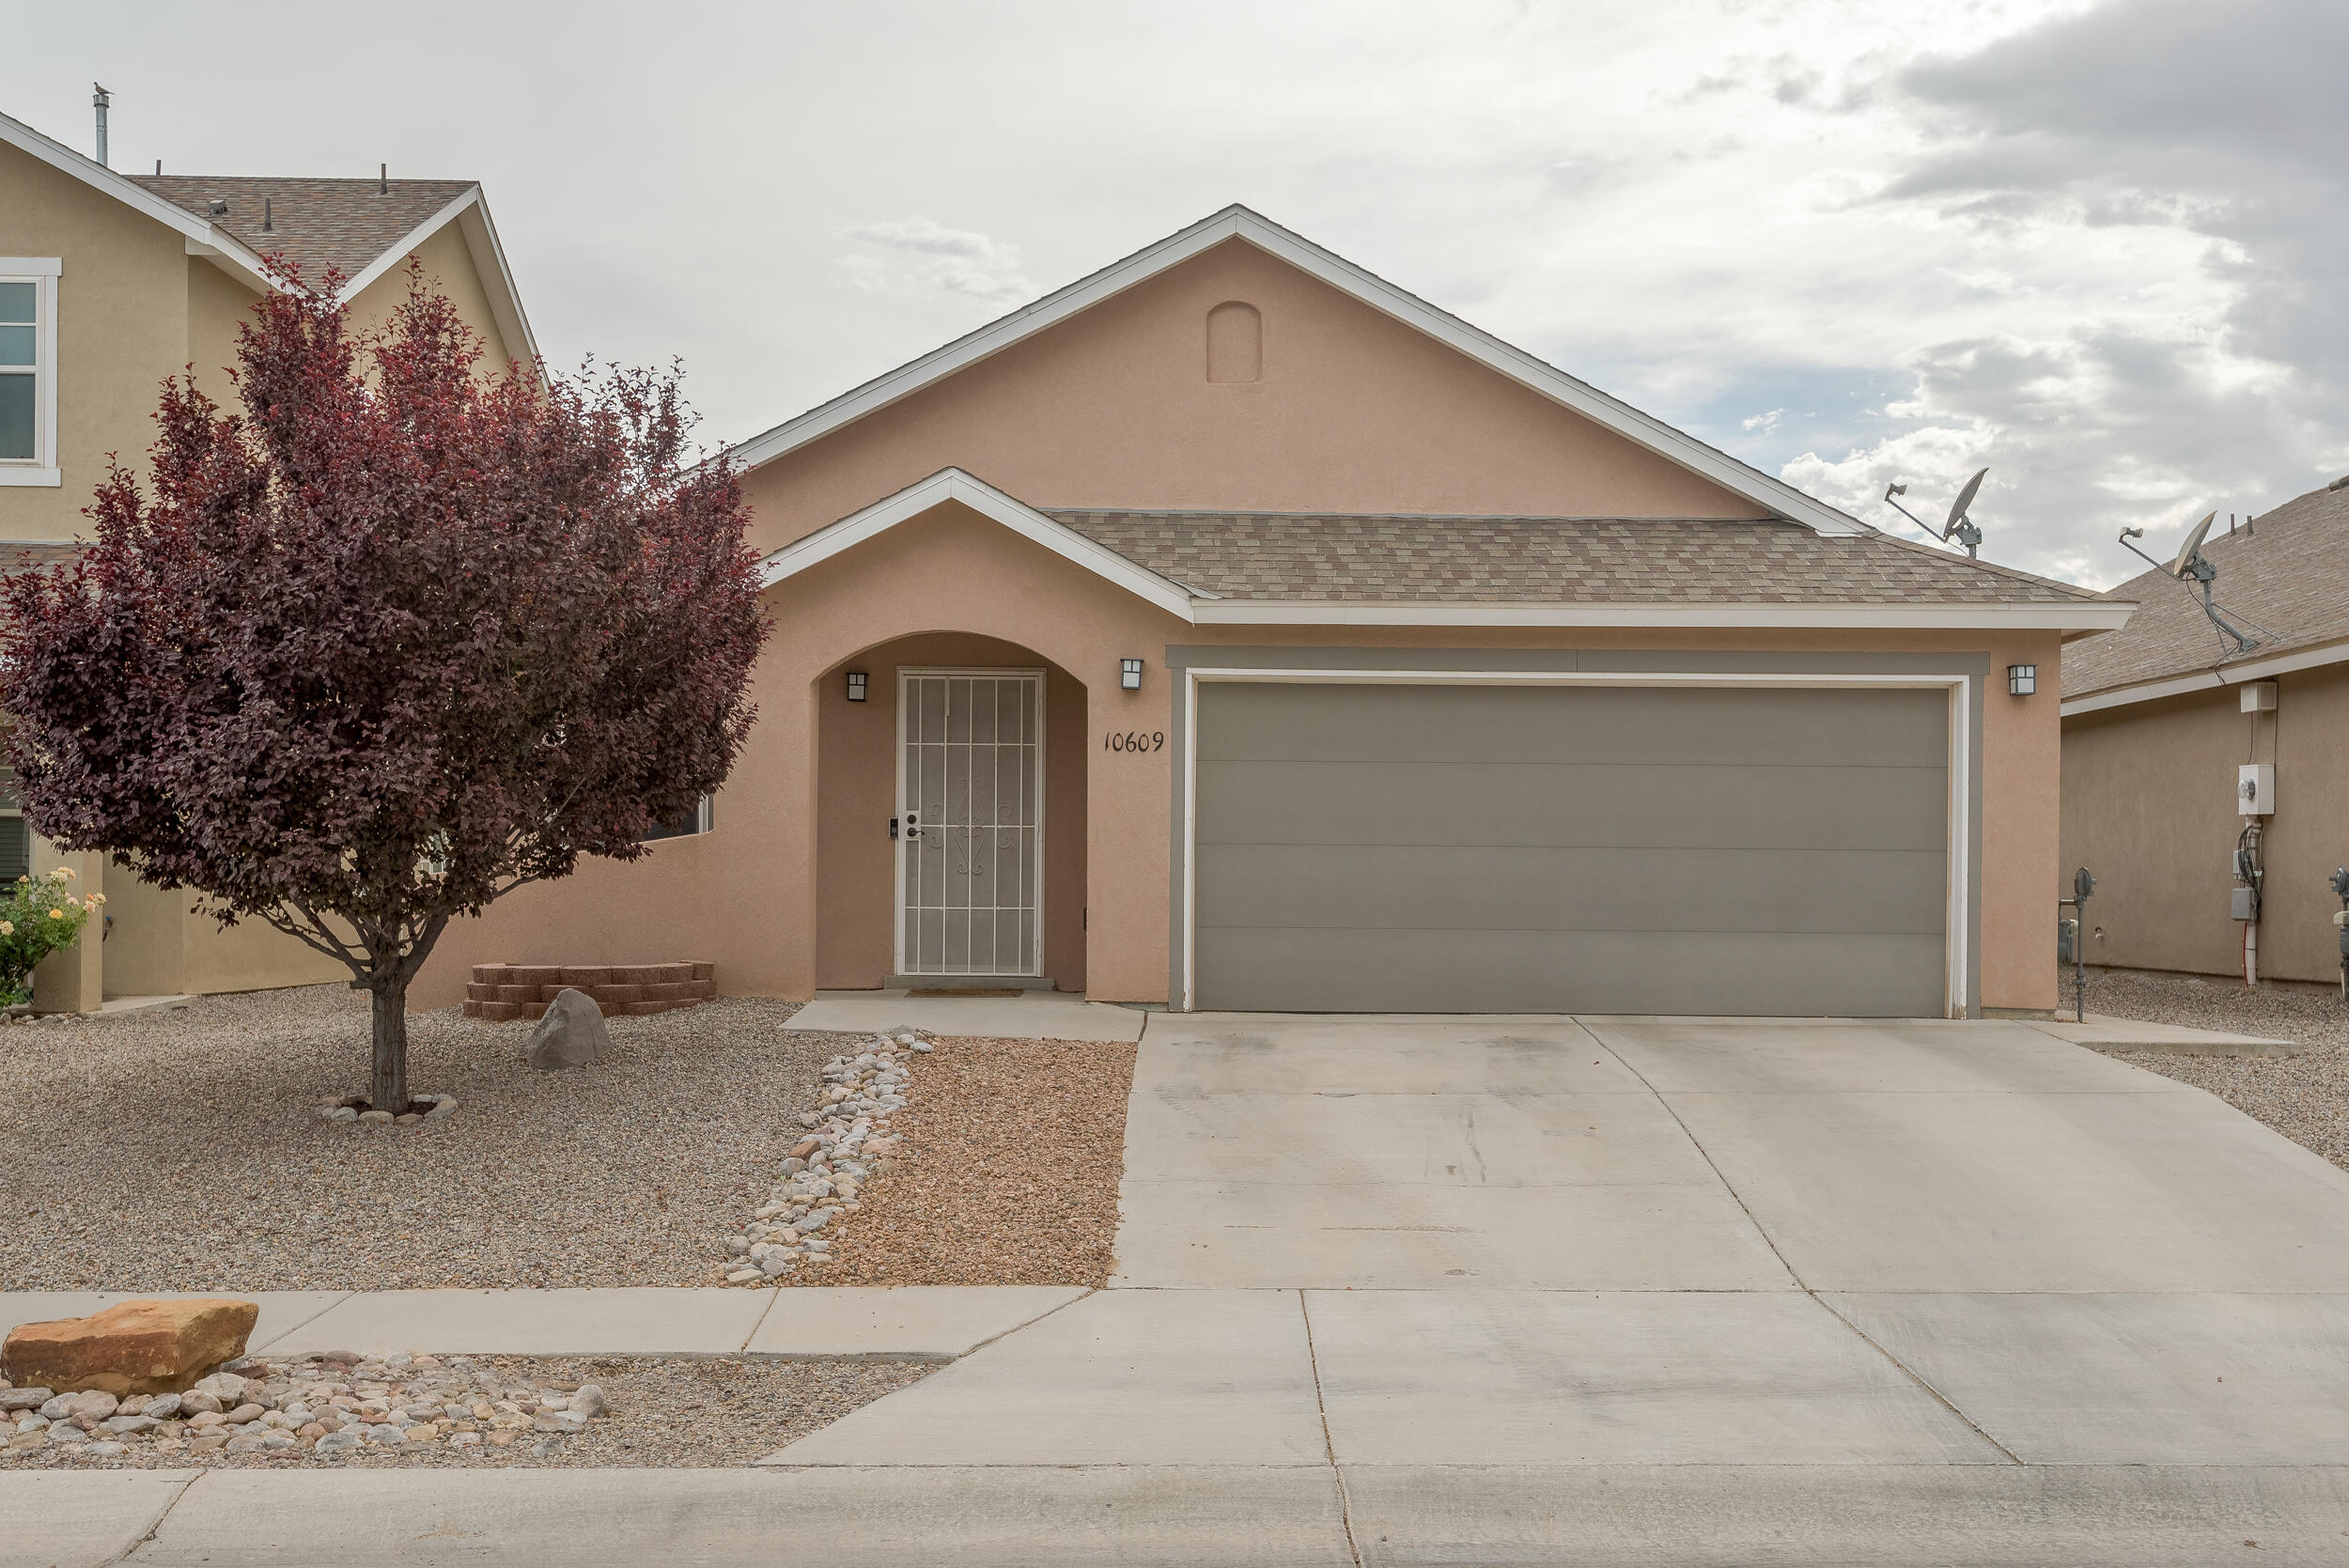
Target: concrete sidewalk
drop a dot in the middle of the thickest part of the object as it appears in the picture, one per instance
(2102, 1032)
(916, 1323)
(1027, 1015)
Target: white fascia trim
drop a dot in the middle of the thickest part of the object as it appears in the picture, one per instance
(2087, 615)
(226, 252)
(506, 298)
(2210, 680)
(13, 475)
(953, 484)
(1239, 223)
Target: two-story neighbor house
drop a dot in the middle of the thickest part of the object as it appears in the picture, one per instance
(111, 283)
(1234, 629)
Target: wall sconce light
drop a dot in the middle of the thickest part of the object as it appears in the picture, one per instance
(2022, 679)
(856, 686)
(1129, 674)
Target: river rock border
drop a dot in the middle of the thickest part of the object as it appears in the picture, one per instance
(850, 1141)
(300, 1406)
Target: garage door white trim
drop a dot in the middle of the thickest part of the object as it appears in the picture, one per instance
(1958, 686)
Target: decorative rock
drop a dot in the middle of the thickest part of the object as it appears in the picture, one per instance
(375, 1115)
(162, 1407)
(572, 1034)
(339, 1442)
(25, 1399)
(199, 1401)
(441, 1106)
(590, 1401)
(339, 1113)
(243, 1414)
(250, 1442)
(105, 1451)
(386, 1436)
(97, 1404)
(133, 1347)
(131, 1423)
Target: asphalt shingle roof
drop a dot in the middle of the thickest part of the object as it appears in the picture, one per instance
(1547, 559)
(2288, 571)
(315, 224)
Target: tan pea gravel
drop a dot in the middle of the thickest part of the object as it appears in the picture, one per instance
(664, 1413)
(1007, 1176)
(2304, 1098)
(180, 1148)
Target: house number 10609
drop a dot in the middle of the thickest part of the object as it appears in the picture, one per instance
(1134, 740)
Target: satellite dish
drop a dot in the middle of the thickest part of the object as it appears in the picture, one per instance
(2192, 547)
(1966, 499)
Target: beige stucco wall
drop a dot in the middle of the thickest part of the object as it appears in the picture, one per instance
(748, 895)
(121, 329)
(448, 268)
(1112, 407)
(2149, 807)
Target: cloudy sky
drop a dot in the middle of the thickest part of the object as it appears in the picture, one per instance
(2095, 246)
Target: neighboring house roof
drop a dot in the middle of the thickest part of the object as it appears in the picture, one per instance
(315, 224)
(335, 224)
(32, 555)
(2287, 571)
(1249, 568)
(1239, 222)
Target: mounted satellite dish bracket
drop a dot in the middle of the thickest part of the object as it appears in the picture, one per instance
(1959, 526)
(2191, 562)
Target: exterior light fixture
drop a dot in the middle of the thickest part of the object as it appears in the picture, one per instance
(1129, 674)
(2022, 679)
(856, 686)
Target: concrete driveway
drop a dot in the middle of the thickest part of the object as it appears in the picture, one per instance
(1670, 1291)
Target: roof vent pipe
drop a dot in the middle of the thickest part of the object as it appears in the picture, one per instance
(382, 180)
(267, 225)
(99, 98)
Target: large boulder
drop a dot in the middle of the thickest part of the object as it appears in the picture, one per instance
(571, 1035)
(133, 1347)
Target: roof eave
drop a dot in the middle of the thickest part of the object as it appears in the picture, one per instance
(2214, 679)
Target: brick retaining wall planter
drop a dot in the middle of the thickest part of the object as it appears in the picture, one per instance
(503, 991)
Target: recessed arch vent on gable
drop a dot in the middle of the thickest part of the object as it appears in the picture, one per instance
(1234, 342)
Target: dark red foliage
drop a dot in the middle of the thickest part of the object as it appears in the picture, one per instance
(397, 639)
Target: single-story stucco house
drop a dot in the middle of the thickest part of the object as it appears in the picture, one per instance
(2160, 720)
(1234, 629)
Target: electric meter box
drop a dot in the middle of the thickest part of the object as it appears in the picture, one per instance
(2255, 789)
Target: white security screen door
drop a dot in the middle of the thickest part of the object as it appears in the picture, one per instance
(971, 801)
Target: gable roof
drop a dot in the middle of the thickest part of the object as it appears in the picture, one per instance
(2287, 570)
(1295, 569)
(1239, 222)
(315, 224)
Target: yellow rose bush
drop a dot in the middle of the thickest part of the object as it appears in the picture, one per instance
(38, 916)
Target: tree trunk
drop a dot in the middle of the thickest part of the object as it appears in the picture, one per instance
(388, 1087)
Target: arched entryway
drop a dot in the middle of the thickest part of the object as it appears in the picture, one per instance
(980, 741)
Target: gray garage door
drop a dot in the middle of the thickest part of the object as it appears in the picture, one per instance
(1460, 849)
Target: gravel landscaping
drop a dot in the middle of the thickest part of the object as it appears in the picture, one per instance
(180, 1148)
(1005, 1173)
(2304, 1098)
(408, 1411)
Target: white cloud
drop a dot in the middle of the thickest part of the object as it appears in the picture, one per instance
(918, 255)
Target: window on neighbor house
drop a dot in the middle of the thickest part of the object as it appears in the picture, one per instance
(16, 839)
(694, 821)
(28, 394)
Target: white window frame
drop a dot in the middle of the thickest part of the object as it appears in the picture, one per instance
(42, 468)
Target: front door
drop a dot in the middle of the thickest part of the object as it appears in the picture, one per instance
(971, 806)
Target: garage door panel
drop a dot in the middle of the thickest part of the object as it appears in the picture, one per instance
(1745, 726)
(1476, 802)
(1365, 887)
(1740, 975)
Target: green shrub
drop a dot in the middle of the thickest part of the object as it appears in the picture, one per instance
(38, 916)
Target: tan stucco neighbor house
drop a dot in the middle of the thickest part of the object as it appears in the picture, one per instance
(109, 283)
(2161, 722)
(1233, 630)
